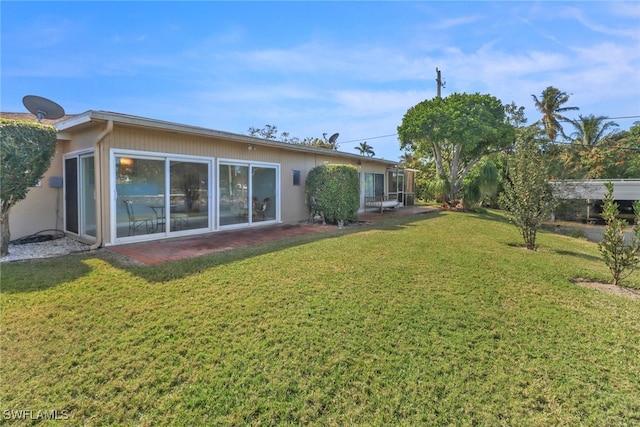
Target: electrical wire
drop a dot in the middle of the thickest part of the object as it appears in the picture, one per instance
(395, 134)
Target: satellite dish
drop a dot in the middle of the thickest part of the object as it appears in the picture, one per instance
(42, 107)
(332, 138)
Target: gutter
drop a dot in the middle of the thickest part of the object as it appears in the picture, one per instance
(97, 158)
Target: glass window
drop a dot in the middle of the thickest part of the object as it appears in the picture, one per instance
(140, 185)
(87, 196)
(396, 181)
(263, 191)
(373, 184)
(233, 205)
(247, 194)
(189, 199)
(296, 177)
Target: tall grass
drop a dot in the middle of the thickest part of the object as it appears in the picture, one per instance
(433, 320)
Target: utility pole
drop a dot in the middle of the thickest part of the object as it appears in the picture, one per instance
(439, 81)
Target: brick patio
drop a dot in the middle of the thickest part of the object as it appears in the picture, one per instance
(162, 251)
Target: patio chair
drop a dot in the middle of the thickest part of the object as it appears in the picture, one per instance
(260, 209)
(179, 219)
(135, 221)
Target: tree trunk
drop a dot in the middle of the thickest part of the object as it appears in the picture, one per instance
(5, 234)
(453, 173)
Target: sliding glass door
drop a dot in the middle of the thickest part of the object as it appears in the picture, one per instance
(189, 201)
(373, 184)
(247, 193)
(80, 195)
(158, 195)
(263, 193)
(87, 196)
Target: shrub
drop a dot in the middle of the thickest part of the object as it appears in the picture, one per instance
(527, 196)
(333, 191)
(26, 150)
(621, 259)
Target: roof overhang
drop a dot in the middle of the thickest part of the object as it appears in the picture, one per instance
(89, 118)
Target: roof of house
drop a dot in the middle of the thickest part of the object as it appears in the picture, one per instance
(91, 117)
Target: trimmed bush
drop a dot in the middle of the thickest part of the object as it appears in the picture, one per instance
(333, 191)
(26, 150)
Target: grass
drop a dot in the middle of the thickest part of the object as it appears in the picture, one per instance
(431, 320)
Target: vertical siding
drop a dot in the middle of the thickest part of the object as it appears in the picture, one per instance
(37, 212)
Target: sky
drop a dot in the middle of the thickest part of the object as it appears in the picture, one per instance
(310, 68)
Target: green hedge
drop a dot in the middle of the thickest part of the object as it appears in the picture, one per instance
(333, 191)
(26, 150)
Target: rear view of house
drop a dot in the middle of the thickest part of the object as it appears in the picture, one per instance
(117, 179)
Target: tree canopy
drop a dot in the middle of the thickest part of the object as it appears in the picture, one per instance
(550, 105)
(456, 132)
(615, 157)
(271, 132)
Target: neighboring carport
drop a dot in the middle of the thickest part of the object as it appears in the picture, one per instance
(582, 199)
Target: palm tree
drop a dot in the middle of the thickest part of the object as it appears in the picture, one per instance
(591, 130)
(365, 149)
(550, 105)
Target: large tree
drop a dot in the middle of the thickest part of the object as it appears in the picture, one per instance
(616, 157)
(26, 150)
(456, 132)
(551, 106)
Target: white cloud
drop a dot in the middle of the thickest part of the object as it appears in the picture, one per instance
(618, 31)
(626, 9)
(447, 24)
(371, 103)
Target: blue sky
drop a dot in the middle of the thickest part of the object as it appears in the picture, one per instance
(315, 67)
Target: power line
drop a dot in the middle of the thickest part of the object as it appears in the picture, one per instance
(624, 117)
(366, 139)
(395, 134)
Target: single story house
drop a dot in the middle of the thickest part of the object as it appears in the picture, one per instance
(117, 178)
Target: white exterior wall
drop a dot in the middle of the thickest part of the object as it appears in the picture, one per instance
(42, 209)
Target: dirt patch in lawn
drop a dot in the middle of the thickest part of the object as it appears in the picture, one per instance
(608, 287)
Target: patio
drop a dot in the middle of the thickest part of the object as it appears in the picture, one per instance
(161, 251)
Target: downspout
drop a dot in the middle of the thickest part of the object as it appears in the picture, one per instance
(97, 172)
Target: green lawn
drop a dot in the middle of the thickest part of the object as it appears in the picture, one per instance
(438, 319)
